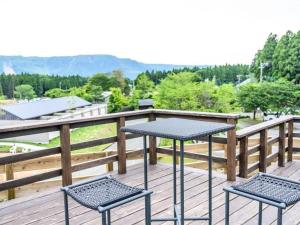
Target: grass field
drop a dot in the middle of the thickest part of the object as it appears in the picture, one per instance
(86, 134)
(4, 148)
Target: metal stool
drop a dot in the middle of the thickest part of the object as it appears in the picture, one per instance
(269, 189)
(104, 194)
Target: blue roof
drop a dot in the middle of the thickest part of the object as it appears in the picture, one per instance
(30, 110)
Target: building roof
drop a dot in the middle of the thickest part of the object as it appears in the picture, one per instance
(34, 109)
(145, 102)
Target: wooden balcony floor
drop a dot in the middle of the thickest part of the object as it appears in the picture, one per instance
(48, 208)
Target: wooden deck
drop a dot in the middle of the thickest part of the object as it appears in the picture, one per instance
(47, 208)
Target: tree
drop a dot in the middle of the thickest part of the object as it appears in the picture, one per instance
(177, 91)
(276, 97)
(56, 93)
(281, 57)
(24, 91)
(134, 99)
(95, 92)
(265, 56)
(118, 80)
(145, 86)
(101, 79)
(116, 100)
(282, 96)
(251, 97)
(226, 99)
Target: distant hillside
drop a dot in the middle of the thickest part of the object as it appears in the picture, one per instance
(84, 65)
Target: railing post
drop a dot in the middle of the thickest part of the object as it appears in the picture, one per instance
(109, 166)
(65, 146)
(290, 140)
(9, 172)
(231, 152)
(152, 144)
(281, 145)
(263, 141)
(243, 168)
(121, 146)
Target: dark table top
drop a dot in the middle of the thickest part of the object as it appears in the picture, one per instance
(179, 129)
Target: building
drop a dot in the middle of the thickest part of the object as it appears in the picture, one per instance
(45, 110)
(36, 109)
(146, 104)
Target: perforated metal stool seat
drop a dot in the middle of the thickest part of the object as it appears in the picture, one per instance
(103, 194)
(269, 189)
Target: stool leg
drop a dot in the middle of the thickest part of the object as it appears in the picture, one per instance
(226, 208)
(66, 208)
(104, 218)
(108, 218)
(260, 214)
(279, 219)
(148, 209)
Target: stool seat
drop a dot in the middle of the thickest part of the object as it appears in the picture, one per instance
(272, 188)
(101, 192)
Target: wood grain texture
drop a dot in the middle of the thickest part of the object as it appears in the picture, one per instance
(49, 209)
(281, 145)
(65, 145)
(231, 152)
(121, 145)
(290, 140)
(243, 166)
(263, 152)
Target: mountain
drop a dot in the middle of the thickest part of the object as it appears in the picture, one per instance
(85, 65)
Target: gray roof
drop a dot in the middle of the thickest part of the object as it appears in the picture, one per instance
(145, 102)
(30, 110)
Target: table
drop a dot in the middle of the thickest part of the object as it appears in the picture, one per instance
(180, 130)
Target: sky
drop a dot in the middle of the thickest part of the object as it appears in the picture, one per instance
(193, 32)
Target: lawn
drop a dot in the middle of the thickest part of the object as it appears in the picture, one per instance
(4, 148)
(85, 134)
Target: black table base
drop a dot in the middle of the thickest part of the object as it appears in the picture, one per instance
(179, 214)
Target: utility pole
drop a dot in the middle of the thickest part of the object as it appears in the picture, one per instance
(262, 66)
(261, 72)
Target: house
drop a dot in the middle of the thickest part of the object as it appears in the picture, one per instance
(45, 107)
(146, 104)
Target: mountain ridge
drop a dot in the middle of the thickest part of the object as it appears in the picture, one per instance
(84, 65)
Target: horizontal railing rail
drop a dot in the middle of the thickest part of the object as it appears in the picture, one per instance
(264, 147)
(121, 155)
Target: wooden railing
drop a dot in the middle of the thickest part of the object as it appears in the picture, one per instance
(66, 147)
(264, 147)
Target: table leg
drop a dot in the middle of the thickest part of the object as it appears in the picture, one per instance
(182, 182)
(174, 179)
(145, 163)
(210, 179)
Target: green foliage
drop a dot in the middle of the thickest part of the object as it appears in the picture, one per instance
(265, 56)
(101, 79)
(117, 100)
(222, 74)
(134, 99)
(40, 83)
(24, 91)
(90, 93)
(283, 58)
(182, 91)
(145, 86)
(225, 98)
(280, 97)
(251, 97)
(56, 93)
(115, 79)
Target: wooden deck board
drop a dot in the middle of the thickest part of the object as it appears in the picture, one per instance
(48, 208)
